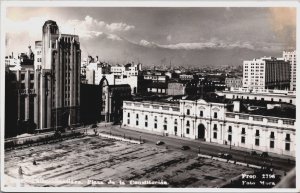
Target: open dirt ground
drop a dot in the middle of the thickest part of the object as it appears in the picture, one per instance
(95, 161)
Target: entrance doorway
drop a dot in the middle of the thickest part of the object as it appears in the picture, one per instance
(201, 131)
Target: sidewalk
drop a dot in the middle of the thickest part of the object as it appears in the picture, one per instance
(236, 148)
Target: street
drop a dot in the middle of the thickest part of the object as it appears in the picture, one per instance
(205, 148)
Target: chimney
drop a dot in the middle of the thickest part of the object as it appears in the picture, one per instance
(236, 106)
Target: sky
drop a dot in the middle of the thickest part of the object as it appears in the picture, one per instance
(161, 35)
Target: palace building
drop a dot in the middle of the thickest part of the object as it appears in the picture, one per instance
(248, 124)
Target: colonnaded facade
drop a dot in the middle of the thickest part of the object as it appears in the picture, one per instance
(215, 122)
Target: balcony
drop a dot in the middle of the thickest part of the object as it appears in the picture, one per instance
(26, 91)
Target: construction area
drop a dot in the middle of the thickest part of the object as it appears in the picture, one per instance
(94, 161)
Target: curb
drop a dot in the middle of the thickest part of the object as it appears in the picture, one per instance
(229, 161)
(119, 138)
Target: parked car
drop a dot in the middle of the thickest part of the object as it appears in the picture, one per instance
(225, 155)
(185, 147)
(160, 143)
(253, 153)
(94, 126)
(220, 154)
(264, 154)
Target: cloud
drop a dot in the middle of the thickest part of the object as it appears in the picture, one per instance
(119, 27)
(88, 24)
(213, 43)
(114, 37)
(145, 43)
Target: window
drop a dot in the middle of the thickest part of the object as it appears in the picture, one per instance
(187, 131)
(175, 129)
(287, 146)
(257, 142)
(229, 137)
(279, 100)
(229, 129)
(272, 135)
(243, 131)
(188, 111)
(243, 139)
(128, 115)
(201, 113)
(137, 116)
(271, 144)
(155, 125)
(175, 122)
(146, 117)
(165, 127)
(128, 121)
(137, 122)
(291, 101)
(257, 133)
(22, 76)
(31, 76)
(272, 99)
(215, 127)
(165, 120)
(187, 123)
(215, 135)
(146, 124)
(215, 115)
(155, 118)
(288, 137)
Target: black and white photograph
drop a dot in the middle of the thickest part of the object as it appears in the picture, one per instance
(148, 96)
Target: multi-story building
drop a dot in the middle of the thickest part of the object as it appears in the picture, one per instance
(38, 55)
(271, 73)
(283, 96)
(49, 90)
(217, 121)
(234, 82)
(112, 97)
(115, 75)
(176, 88)
(291, 57)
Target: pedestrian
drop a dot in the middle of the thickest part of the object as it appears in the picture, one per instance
(20, 172)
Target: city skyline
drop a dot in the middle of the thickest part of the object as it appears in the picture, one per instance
(160, 36)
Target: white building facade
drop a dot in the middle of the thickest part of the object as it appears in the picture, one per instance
(260, 95)
(291, 57)
(212, 122)
(115, 75)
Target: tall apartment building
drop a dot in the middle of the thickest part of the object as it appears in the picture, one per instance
(270, 73)
(49, 89)
(291, 57)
